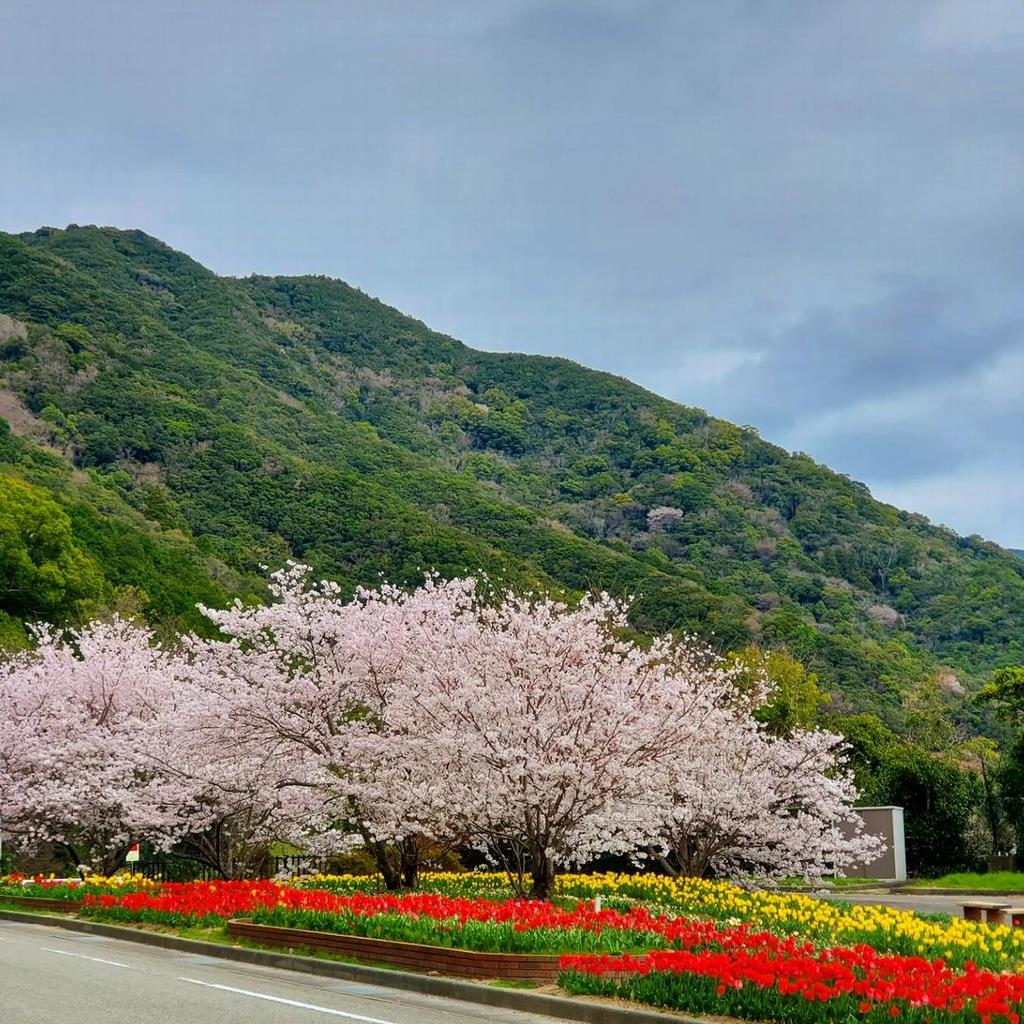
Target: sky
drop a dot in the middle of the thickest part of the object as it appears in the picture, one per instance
(803, 216)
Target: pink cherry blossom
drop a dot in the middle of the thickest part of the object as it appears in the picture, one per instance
(535, 731)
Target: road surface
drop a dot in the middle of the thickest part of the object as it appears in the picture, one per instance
(922, 903)
(51, 976)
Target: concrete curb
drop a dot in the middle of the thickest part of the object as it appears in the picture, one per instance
(560, 1007)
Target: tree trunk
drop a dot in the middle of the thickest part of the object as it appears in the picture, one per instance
(666, 865)
(386, 865)
(542, 872)
(73, 857)
(693, 857)
(212, 848)
(409, 860)
(389, 861)
(113, 860)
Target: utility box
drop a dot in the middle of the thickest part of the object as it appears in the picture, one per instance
(887, 823)
(1003, 862)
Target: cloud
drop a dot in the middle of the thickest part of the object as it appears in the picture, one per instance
(804, 216)
(914, 335)
(993, 493)
(951, 446)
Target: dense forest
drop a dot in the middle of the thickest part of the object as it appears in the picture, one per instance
(166, 432)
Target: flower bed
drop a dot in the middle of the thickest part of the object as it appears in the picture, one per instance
(837, 984)
(70, 888)
(68, 895)
(824, 922)
(509, 926)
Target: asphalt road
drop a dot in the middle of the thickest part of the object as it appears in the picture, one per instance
(49, 976)
(922, 903)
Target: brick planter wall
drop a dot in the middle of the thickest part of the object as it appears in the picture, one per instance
(40, 903)
(462, 963)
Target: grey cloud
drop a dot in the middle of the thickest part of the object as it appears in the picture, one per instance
(781, 212)
(883, 454)
(953, 448)
(915, 334)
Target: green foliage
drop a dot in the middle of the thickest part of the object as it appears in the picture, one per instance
(938, 799)
(936, 794)
(1011, 786)
(1006, 693)
(982, 753)
(795, 699)
(927, 716)
(13, 636)
(975, 881)
(236, 423)
(44, 573)
(73, 547)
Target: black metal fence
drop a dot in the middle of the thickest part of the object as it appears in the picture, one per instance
(301, 864)
(162, 868)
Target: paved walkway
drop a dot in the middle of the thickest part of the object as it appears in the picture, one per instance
(923, 903)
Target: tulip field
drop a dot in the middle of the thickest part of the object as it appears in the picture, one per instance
(693, 945)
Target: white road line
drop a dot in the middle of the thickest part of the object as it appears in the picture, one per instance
(287, 1002)
(82, 956)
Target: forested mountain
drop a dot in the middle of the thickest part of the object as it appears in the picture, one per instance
(166, 432)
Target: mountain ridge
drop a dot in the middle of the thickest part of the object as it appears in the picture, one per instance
(240, 421)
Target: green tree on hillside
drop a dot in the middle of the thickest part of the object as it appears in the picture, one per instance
(795, 698)
(937, 795)
(927, 716)
(1006, 694)
(43, 572)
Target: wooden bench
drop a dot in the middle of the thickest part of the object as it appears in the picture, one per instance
(1013, 917)
(984, 911)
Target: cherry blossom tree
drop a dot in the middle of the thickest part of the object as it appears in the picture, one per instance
(526, 728)
(232, 797)
(743, 803)
(548, 725)
(313, 678)
(104, 742)
(663, 516)
(532, 730)
(71, 770)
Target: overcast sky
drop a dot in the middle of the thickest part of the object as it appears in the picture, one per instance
(805, 216)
